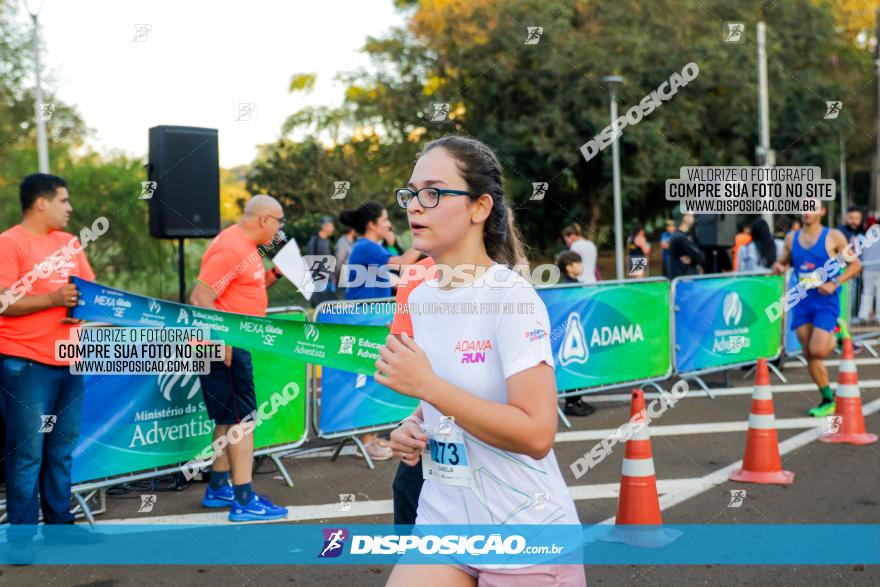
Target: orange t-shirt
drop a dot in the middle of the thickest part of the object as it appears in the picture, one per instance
(403, 320)
(233, 268)
(33, 336)
(741, 239)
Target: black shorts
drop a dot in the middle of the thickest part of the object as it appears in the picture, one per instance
(229, 391)
(406, 488)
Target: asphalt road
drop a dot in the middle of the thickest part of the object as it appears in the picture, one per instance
(835, 484)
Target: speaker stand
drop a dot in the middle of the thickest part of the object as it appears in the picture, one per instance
(181, 273)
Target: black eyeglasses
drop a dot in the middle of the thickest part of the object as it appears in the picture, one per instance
(279, 220)
(427, 197)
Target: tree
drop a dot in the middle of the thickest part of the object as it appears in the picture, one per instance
(536, 104)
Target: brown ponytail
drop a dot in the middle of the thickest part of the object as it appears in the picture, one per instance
(480, 169)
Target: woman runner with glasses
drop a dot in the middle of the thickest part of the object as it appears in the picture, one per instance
(485, 380)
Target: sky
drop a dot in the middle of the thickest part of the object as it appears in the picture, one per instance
(198, 61)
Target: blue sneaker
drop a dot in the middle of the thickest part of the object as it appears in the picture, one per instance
(259, 508)
(220, 498)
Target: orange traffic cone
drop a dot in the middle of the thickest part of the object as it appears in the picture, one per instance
(761, 463)
(638, 521)
(850, 425)
(638, 502)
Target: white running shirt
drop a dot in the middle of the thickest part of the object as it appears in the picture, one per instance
(478, 352)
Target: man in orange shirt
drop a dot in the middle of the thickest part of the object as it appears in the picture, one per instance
(39, 398)
(742, 238)
(232, 279)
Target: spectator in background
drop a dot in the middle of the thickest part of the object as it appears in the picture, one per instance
(792, 224)
(638, 249)
(743, 237)
(342, 251)
(390, 243)
(570, 266)
(870, 280)
(319, 245)
(664, 244)
(228, 390)
(685, 257)
(370, 221)
(38, 390)
(576, 242)
(853, 226)
(760, 253)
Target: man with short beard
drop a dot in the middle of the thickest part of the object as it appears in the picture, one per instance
(40, 400)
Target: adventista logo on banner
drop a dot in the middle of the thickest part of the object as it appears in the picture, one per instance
(736, 338)
(170, 381)
(733, 309)
(184, 418)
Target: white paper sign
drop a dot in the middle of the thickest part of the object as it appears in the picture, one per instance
(291, 264)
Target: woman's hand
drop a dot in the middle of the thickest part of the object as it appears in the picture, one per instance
(408, 441)
(404, 367)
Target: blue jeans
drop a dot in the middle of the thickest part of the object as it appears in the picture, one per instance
(39, 449)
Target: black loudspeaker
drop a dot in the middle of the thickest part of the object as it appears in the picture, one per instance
(715, 230)
(185, 164)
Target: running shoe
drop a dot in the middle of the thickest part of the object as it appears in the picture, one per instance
(258, 509)
(826, 408)
(218, 498)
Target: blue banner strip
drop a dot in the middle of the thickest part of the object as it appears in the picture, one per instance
(806, 544)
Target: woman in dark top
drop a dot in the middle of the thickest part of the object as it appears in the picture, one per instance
(370, 221)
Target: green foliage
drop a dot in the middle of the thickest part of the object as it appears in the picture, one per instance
(535, 105)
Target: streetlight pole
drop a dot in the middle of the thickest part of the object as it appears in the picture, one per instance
(874, 196)
(613, 81)
(42, 137)
(766, 157)
(844, 196)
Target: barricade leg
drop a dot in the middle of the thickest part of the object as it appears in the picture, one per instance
(562, 417)
(281, 469)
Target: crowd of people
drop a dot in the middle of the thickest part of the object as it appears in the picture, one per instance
(369, 241)
(459, 215)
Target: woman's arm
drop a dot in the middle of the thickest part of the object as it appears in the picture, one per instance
(408, 258)
(525, 425)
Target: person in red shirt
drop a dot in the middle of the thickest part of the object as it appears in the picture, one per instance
(232, 279)
(40, 400)
(407, 484)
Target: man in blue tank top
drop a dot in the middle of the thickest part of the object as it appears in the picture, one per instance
(810, 252)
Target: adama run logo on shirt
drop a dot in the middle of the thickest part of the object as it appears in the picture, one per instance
(473, 351)
(536, 333)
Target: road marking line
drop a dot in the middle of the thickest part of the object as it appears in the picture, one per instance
(685, 429)
(727, 391)
(722, 475)
(299, 513)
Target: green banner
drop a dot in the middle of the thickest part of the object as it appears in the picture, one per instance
(341, 346)
(132, 423)
(607, 334)
(723, 320)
